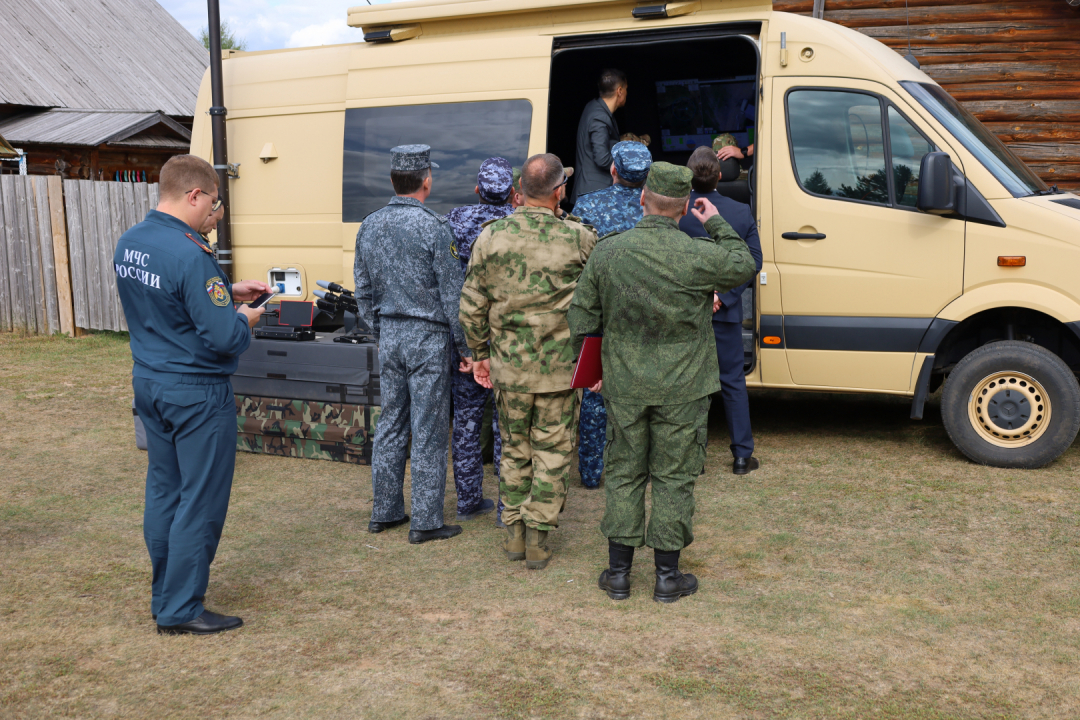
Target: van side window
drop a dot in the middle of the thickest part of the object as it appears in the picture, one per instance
(837, 145)
(908, 147)
(461, 136)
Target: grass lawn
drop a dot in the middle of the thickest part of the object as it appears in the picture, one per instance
(867, 570)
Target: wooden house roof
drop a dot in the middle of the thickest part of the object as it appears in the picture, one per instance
(69, 126)
(106, 54)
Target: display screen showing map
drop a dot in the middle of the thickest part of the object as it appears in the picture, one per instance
(694, 112)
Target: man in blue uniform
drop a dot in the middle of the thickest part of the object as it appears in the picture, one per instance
(494, 184)
(185, 339)
(727, 307)
(408, 286)
(614, 209)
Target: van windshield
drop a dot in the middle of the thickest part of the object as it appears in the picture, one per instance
(1010, 171)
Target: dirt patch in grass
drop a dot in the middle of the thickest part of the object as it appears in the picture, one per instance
(866, 570)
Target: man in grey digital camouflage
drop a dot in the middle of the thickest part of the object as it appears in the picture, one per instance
(649, 292)
(407, 289)
(520, 280)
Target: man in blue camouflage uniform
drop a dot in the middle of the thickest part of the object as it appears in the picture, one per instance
(614, 209)
(408, 285)
(493, 185)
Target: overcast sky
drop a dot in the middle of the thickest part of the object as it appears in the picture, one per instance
(272, 24)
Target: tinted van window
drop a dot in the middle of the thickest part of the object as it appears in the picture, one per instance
(837, 144)
(908, 148)
(461, 136)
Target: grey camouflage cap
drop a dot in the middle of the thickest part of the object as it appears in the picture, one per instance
(411, 157)
(495, 179)
(632, 160)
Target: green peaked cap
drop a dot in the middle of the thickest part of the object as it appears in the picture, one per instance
(669, 180)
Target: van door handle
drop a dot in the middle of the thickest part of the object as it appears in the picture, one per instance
(803, 236)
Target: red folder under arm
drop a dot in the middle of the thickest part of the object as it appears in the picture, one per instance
(589, 369)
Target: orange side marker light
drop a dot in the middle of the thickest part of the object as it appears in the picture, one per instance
(1012, 260)
(771, 340)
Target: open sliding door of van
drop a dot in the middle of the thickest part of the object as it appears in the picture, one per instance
(687, 86)
(862, 272)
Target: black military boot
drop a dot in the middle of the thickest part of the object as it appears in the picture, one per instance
(670, 583)
(615, 581)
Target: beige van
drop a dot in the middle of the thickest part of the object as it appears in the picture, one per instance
(904, 245)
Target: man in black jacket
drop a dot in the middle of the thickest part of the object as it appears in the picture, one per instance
(597, 132)
(727, 308)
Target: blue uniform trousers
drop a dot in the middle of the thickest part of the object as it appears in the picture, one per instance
(415, 383)
(190, 423)
(469, 400)
(593, 424)
(729, 353)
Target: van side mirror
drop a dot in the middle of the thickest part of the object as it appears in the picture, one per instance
(936, 195)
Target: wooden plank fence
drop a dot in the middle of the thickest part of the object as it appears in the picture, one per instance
(57, 240)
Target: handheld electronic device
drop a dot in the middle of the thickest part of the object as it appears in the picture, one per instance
(261, 300)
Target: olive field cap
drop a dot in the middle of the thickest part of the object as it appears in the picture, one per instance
(723, 141)
(669, 180)
(632, 160)
(517, 179)
(411, 157)
(494, 179)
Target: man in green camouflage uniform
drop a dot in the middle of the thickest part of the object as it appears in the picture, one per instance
(649, 292)
(518, 287)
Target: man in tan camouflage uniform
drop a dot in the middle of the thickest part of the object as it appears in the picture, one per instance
(518, 287)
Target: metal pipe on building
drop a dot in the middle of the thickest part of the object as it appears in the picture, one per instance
(217, 125)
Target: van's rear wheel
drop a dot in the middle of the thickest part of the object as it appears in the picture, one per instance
(1011, 404)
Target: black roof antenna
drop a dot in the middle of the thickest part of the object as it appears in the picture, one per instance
(909, 57)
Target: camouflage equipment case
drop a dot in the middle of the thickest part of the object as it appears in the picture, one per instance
(306, 428)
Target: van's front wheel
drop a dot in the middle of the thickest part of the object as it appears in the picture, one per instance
(1011, 404)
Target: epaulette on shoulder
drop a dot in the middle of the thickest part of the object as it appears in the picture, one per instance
(613, 233)
(492, 220)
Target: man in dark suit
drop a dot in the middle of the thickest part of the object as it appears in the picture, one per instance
(597, 132)
(727, 307)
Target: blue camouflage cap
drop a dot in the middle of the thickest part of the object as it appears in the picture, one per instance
(495, 179)
(411, 157)
(632, 160)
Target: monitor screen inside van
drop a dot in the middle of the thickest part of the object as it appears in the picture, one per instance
(693, 112)
(461, 136)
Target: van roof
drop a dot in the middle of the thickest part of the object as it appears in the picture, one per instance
(438, 11)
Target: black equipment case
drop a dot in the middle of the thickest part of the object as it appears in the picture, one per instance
(317, 399)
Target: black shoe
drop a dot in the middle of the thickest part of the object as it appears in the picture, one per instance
(444, 533)
(670, 583)
(377, 527)
(206, 624)
(743, 466)
(615, 581)
(483, 508)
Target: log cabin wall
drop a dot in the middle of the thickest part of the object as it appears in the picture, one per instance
(1014, 65)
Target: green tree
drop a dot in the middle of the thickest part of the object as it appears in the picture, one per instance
(872, 188)
(229, 41)
(817, 183)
